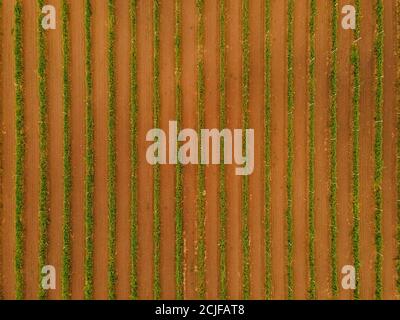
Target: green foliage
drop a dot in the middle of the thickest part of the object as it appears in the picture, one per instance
(333, 183)
(134, 152)
(378, 147)
(290, 160)
(20, 149)
(89, 156)
(43, 150)
(267, 151)
(223, 282)
(112, 154)
(246, 120)
(201, 187)
(312, 287)
(179, 241)
(355, 61)
(67, 227)
(156, 170)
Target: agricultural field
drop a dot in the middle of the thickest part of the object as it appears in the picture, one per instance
(316, 217)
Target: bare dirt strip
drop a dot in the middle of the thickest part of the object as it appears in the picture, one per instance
(389, 183)
(189, 120)
(256, 216)
(322, 221)
(212, 121)
(300, 211)
(344, 153)
(367, 113)
(8, 102)
(279, 147)
(32, 150)
(234, 120)
(167, 196)
(77, 73)
(122, 49)
(145, 175)
(100, 107)
(55, 120)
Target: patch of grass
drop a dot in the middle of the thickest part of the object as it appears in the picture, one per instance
(223, 210)
(378, 147)
(333, 183)
(89, 156)
(67, 227)
(246, 123)
(201, 187)
(290, 159)
(355, 61)
(112, 154)
(312, 287)
(179, 241)
(267, 151)
(43, 151)
(20, 149)
(134, 152)
(156, 169)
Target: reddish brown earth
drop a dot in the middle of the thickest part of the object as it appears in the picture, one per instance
(100, 107)
(145, 172)
(234, 117)
(78, 146)
(279, 149)
(32, 151)
(322, 220)
(234, 120)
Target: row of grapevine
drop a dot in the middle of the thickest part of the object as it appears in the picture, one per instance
(356, 91)
(179, 241)
(67, 213)
(156, 169)
(290, 156)
(267, 150)
(223, 290)
(201, 187)
(134, 153)
(246, 123)
(333, 180)
(43, 148)
(20, 149)
(378, 147)
(1, 159)
(112, 153)
(312, 290)
(89, 156)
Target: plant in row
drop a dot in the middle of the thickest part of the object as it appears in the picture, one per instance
(67, 228)
(355, 61)
(134, 110)
(290, 156)
(267, 151)
(378, 146)
(312, 288)
(89, 156)
(333, 183)
(156, 168)
(223, 290)
(43, 151)
(201, 187)
(246, 124)
(20, 149)
(179, 241)
(112, 154)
